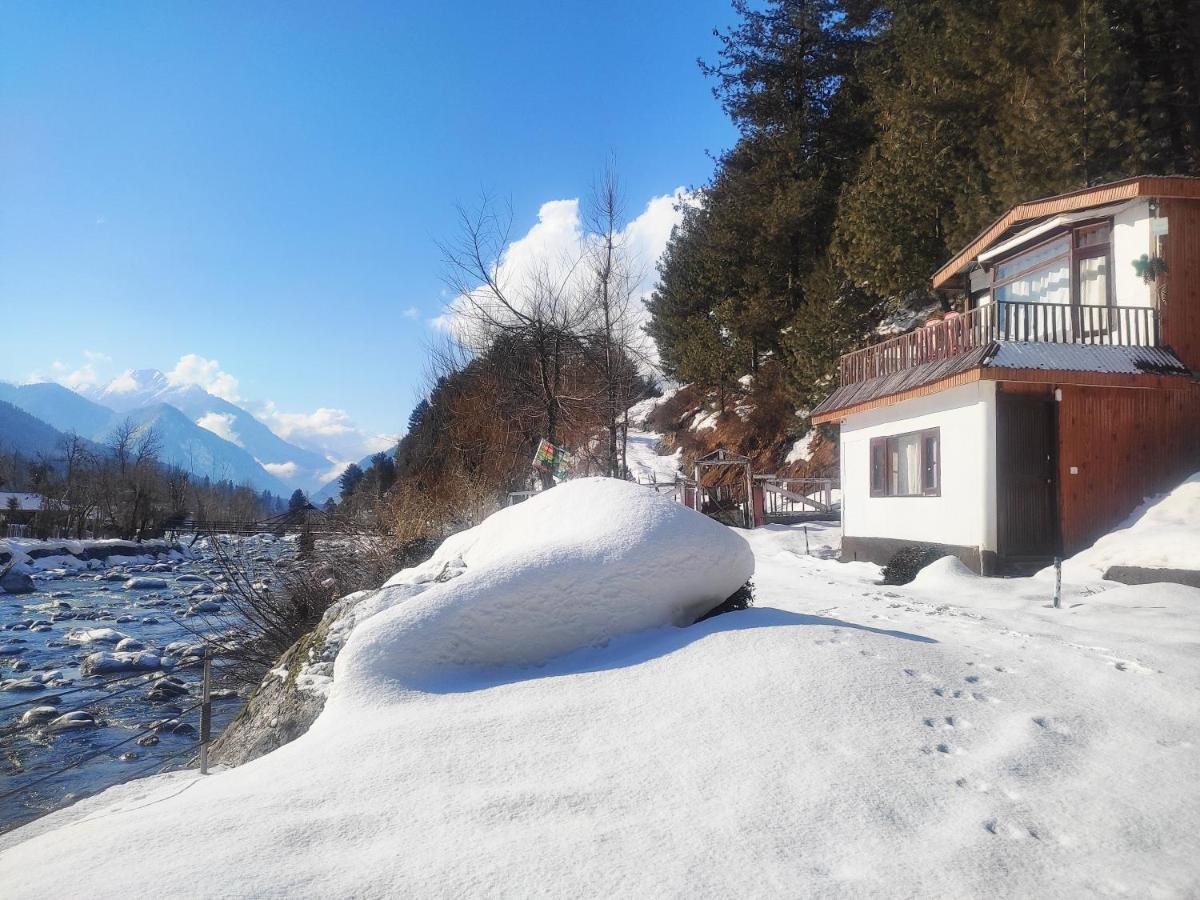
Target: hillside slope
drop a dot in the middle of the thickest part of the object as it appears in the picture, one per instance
(22, 433)
(955, 737)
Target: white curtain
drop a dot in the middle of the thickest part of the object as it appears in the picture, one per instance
(906, 465)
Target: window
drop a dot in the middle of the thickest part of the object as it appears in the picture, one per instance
(1040, 275)
(907, 465)
(1070, 268)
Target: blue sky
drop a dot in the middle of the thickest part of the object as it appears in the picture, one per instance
(261, 186)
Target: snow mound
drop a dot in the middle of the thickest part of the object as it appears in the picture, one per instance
(947, 573)
(569, 568)
(1162, 533)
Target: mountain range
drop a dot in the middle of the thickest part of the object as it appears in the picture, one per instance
(200, 432)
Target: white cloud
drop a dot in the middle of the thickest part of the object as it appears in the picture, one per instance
(195, 369)
(324, 422)
(220, 424)
(282, 470)
(558, 240)
(411, 313)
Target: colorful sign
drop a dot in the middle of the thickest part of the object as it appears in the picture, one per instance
(552, 459)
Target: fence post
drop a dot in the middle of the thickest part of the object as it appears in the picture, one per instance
(205, 710)
(806, 550)
(1057, 581)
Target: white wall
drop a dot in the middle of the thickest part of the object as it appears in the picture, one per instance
(965, 513)
(1131, 238)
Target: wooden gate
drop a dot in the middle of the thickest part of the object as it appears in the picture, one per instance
(1026, 486)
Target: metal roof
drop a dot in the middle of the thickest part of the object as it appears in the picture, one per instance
(1032, 355)
(1085, 358)
(905, 380)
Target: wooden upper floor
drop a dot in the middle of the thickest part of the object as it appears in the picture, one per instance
(1112, 265)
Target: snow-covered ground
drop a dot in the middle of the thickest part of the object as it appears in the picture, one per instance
(956, 737)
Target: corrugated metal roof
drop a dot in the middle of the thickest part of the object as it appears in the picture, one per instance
(1085, 358)
(1043, 356)
(905, 380)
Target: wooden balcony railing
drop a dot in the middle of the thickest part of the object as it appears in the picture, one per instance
(1063, 323)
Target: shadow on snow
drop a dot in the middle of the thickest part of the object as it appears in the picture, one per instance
(643, 646)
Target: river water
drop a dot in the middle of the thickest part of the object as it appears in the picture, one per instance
(44, 638)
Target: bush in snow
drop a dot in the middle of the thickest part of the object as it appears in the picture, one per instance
(742, 598)
(908, 561)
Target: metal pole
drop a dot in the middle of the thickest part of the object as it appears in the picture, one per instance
(806, 551)
(1057, 581)
(205, 711)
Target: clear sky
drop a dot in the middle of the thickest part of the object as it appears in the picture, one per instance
(262, 185)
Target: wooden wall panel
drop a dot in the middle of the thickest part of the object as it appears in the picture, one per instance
(1127, 445)
(1181, 312)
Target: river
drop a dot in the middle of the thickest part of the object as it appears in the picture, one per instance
(45, 637)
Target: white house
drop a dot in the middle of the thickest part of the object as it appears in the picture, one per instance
(1055, 395)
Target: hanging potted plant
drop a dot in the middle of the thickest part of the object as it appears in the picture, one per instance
(1151, 269)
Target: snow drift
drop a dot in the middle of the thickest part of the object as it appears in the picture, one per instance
(1162, 533)
(573, 567)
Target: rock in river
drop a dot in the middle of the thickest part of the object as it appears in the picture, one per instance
(103, 663)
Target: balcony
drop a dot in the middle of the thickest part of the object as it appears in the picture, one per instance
(1059, 323)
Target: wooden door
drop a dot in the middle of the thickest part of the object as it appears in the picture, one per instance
(1026, 488)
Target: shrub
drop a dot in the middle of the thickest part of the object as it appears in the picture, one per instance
(742, 598)
(908, 561)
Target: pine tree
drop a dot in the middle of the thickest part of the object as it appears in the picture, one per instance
(350, 479)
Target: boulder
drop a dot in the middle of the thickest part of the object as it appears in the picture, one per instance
(14, 582)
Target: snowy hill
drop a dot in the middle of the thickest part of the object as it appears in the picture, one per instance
(292, 465)
(956, 737)
(198, 450)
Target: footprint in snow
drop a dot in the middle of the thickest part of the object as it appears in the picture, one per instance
(1011, 830)
(946, 722)
(973, 784)
(1052, 725)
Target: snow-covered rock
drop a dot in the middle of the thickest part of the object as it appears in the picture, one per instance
(103, 663)
(145, 583)
(95, 636)
(572, 567)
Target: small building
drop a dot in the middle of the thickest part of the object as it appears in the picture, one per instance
(1058, 392)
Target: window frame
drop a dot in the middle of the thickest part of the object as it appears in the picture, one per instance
(885, 444)
(1073, 255)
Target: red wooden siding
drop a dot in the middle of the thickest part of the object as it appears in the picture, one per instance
(1180, 314)
(1127, 444)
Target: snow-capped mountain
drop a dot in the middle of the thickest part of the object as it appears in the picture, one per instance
(52, 410)
(294, 466)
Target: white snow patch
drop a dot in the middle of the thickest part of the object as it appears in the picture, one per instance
(801, 450)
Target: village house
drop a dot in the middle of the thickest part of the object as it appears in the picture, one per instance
(1058, 392)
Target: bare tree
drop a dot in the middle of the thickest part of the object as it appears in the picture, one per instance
(611, 326)
(535, 314)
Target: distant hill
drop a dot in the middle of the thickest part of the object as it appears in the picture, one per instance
(22, 433)
(60, 407)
